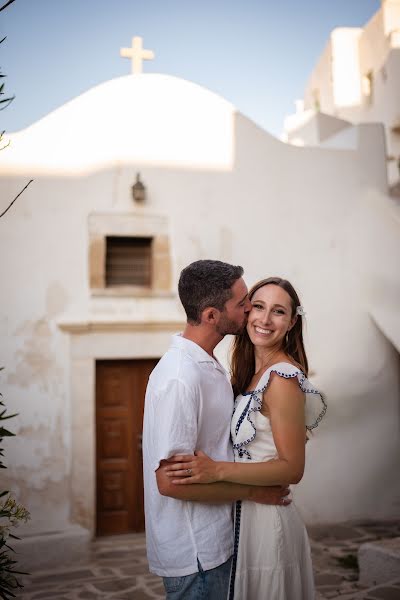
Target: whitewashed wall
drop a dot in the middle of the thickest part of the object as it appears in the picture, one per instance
(318, 217)
(350, 55)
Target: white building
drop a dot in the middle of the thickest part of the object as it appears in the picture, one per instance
(80, 334)
(356, 80)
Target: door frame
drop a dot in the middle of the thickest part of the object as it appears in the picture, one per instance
(89, 343)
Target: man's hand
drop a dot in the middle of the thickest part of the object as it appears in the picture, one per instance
(270, 495)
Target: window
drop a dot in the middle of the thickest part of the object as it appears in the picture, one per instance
(128, 261)
(316, 100)
(368, 87)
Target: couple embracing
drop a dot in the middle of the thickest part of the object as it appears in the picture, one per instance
(207, 456)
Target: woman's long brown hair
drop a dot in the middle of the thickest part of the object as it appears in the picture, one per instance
(243, 362)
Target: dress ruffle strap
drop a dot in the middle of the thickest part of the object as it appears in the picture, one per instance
(245, 429)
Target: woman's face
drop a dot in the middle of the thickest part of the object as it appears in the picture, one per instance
(270, 317)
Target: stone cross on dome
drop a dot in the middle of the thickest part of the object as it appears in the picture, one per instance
(137, 54)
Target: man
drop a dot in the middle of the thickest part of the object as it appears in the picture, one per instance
(188, 407)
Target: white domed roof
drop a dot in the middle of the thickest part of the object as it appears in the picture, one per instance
(147, 119)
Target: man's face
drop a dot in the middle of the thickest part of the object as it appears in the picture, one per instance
(233, 318)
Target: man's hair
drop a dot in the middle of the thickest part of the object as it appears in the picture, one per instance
(206, 283)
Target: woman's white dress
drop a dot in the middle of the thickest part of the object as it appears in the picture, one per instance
(272, 558)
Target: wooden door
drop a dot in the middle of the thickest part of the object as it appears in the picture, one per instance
(120, 391)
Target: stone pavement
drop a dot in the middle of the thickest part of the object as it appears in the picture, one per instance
(334, 550)
(117, 568)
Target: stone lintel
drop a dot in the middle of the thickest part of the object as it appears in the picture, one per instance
(82, 326)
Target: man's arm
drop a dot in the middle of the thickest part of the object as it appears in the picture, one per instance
(175, 405)
(220, 492)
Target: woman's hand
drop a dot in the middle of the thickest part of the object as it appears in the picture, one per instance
(187, 469)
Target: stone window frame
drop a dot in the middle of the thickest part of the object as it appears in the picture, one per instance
(102, 225)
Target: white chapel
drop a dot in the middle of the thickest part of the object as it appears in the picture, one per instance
(133, 180)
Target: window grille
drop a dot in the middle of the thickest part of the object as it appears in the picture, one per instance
(128, 261)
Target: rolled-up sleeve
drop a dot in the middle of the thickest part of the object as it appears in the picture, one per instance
(171, 422)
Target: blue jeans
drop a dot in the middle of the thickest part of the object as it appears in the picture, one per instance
(203, 585)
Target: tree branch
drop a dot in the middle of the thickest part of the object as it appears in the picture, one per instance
(10, 205)
(6, 4)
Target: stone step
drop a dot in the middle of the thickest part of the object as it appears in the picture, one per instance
(379, 561)
(52, 549)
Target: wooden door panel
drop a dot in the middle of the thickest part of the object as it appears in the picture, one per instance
(120, 390)
(140, 383)
(113, 439)
(114, 384)
(113, 486)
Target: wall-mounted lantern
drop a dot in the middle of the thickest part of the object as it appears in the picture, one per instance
(138, 190)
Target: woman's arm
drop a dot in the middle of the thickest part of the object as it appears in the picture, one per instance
(285, 402)
(221, 492)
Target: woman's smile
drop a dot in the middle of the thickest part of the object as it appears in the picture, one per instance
(262, 331)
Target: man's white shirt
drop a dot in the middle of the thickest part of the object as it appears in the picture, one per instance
(188, 407)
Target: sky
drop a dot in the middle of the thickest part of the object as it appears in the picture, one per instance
(257, 54)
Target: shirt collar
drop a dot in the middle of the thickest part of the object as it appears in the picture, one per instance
(195, 351)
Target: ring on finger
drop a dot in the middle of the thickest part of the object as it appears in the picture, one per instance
(189, 471)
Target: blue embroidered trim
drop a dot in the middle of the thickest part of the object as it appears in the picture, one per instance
(246, 413)
(242, 416)
(238, 514)
(254, 396)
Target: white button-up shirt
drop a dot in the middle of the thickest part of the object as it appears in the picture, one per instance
(188, 407)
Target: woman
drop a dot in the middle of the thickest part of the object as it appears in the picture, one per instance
(275, 405)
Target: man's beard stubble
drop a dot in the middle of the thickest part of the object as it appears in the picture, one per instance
(228, 327)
